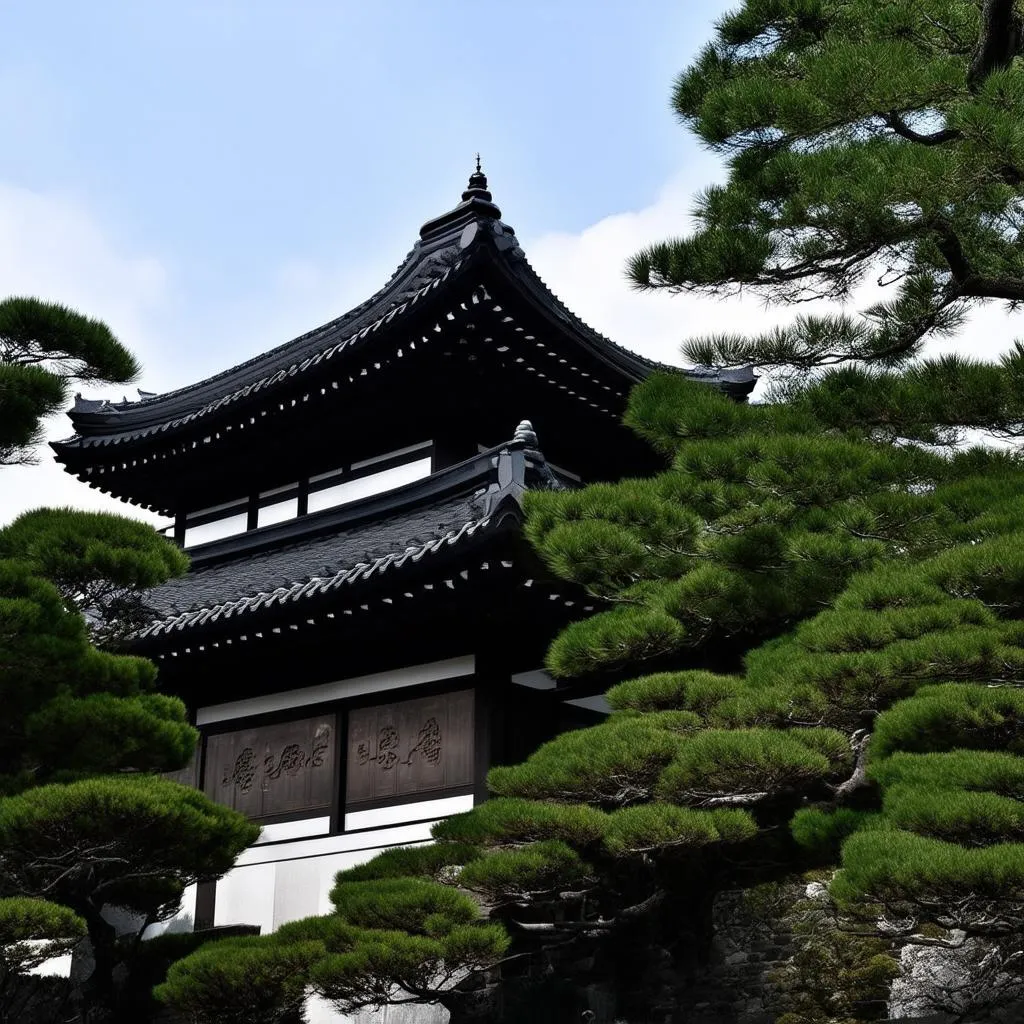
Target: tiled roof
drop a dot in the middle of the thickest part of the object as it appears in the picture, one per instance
(329, 341)
(439, 257)
(430, 518)
(319, 566)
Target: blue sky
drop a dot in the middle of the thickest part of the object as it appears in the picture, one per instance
(213, 178)
(233, 139)
(230, 130)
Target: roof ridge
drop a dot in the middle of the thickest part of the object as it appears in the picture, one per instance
(157, 397)
(313, 584)
(279, 375)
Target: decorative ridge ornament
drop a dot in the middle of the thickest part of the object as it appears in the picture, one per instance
(541, 474)
(477, 185)
(477, 206)
(525, 434)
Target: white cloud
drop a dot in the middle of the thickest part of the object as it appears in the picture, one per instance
(586, 271)
(53, 247)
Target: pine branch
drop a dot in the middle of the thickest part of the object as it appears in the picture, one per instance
(1000, 41)
(859, 779)
(904, 131)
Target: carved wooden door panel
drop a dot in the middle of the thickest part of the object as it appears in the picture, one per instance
(409, 747)
(273, 769)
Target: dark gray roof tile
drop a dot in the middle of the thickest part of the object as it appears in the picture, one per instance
(313, 566)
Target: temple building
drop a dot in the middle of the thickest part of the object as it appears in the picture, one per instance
(362, 631)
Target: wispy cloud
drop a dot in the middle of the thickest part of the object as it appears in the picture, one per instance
(586, 270)
(52, 246)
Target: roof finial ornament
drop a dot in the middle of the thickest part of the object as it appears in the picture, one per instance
(477, 184)
(525, 434)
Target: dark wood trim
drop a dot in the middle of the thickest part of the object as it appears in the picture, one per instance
(340, 707)
(451, 481)
(494, 686)
(482, 740)
(340, 704)
(231, 509)
(308, 812)
(362, 849)
(412, 798)
(338, 807)
(206, 906)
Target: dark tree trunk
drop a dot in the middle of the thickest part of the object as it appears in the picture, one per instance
(99, 994)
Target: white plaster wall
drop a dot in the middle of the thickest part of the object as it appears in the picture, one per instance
(297, 890)
(274, 892)
(60, 967)
(306, 827)
(276, 882)
(382, 816)
(320, 1012)
(183, 921)
(246, 896)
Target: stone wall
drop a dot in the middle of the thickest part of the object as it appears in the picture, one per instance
(752, 940)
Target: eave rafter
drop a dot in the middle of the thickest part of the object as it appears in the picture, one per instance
(465, 281)
(289, 616)
(465, 312)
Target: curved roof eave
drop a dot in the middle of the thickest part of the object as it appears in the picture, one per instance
(448, 246)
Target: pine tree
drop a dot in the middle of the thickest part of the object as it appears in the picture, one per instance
(86, 824)
(44, 348)
(823, 593)
(863, 140)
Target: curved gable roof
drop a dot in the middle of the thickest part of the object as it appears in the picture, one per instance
(448, 247)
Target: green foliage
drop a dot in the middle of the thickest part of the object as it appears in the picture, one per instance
(50, 667)
(101, 563)
(432, 861)
(765, 517)
(420, 968)
(950, 716)
(511, 875)
(995, 771)
(957, 816)
(241, 981)
(44, 347)
(102, 733)
(114, 836)
(414, 904)
(266, 979)
(612, 639)
(334, 934)
(700, 692)
(823, 832)
(857, 136)
(896, 869)
(33, 931)
(612, 764)
(133, 841)
(661, 827)
(72, 548)
(724, 762)
(512, 820)
(848, 597)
